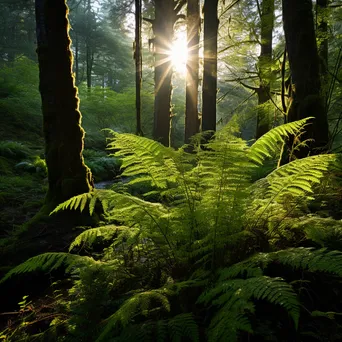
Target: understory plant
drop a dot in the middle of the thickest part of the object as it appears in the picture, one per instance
(213, 247)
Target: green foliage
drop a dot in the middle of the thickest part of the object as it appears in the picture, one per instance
(102, 166)
(105, 108)
(201, 240)
(20, 104)
(13, 149)
(48, 262)
(270, 143)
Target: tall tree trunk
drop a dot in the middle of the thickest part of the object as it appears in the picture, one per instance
(67, 174)
(192, 124)
(322, 33)
(163, 27)
(138, 66)
(265, 59)
(306, 85)
(88, 46)
(211, 24)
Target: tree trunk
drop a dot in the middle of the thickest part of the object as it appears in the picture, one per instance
(163, 27)
(89, 58)
(322, 33)
(138, 66)
(265, 59)
(67, 174)
(192, 124)
(306, 85)
(211, 24)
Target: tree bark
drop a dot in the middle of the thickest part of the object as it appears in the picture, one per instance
(138, 66)
(322, 32)
(89, 57)
(163, 27)
(192, 123)
(67, 174)
(306, 85)
(265, 59)
(211, 24)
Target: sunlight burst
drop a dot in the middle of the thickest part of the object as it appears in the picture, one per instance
(179, 53)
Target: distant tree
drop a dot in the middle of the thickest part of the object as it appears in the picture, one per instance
(101, 46)
(211, 24)
(323, 47)
(17, 30)
(266, 12)
(67, 173)
(166, 15)
(138, 65)
(192, 123)
(306, 96)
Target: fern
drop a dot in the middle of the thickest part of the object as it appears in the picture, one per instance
(226, 324)
(268, 145)
(321, 260)
(140, 303)
(90, 235)
(183, 325)
(297, 178)
(146, 159)
(79, 202)
(234, 299)
(48, 262)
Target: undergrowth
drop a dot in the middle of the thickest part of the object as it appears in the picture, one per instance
(210, 249)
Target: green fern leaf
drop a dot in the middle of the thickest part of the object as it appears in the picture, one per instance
(232, 293)
(183, 325)
(48, 262)
(268, 145)
(90, 235)
(139, 304)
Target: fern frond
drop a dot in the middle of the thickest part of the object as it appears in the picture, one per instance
(183, 326)
(48, 262)
(139, 304)
(145, 157)
(297, 178)
(268, 145)
(79, 202)
(90, 235)
(226, 324)
(321, 260)
(274, 290)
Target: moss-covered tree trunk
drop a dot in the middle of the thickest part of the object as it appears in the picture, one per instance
(67, 174)
(307, 100)
(192, 124)
(210, 31)
(265, 60)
